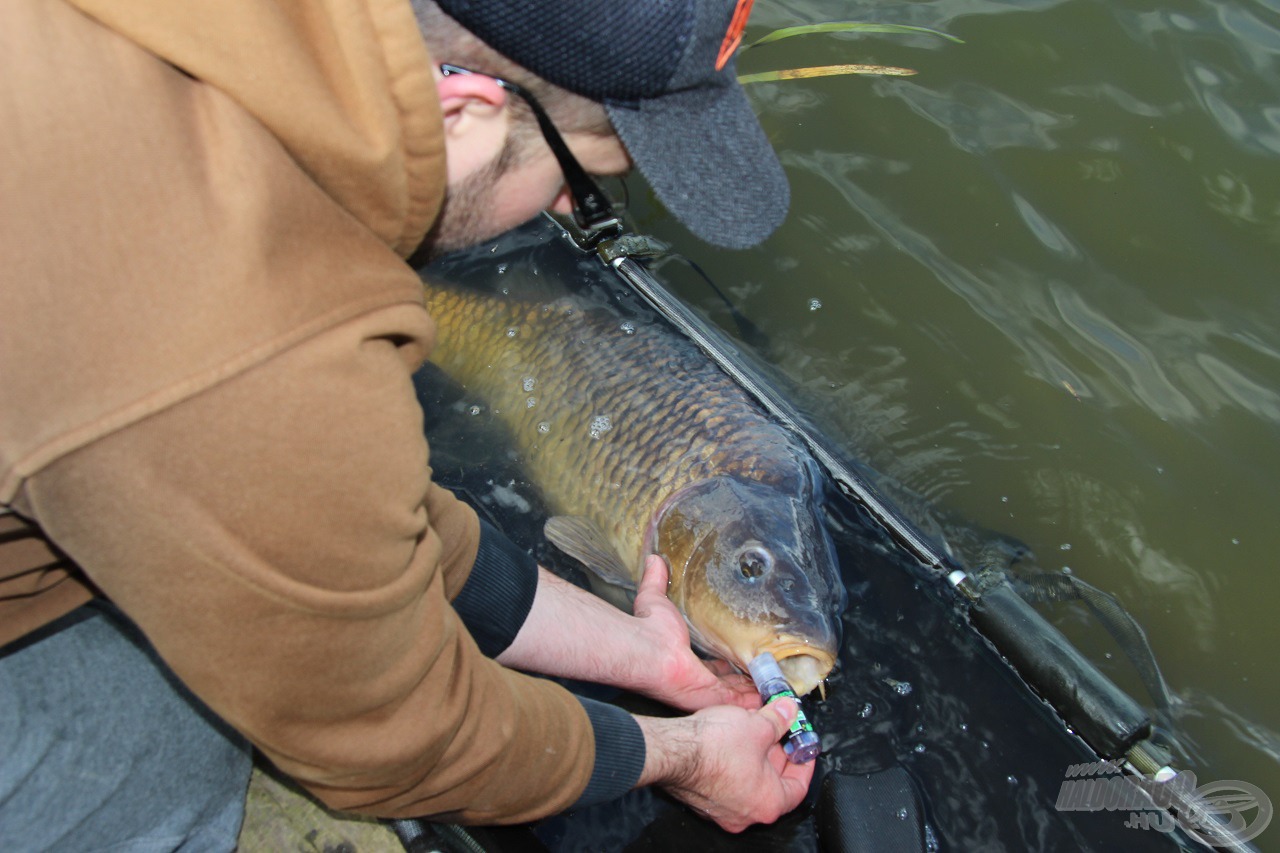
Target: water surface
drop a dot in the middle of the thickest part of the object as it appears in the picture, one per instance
(1034, 287)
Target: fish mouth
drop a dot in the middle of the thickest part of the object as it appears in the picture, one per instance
(804, 666)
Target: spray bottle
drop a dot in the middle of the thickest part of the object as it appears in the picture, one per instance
(801, 743)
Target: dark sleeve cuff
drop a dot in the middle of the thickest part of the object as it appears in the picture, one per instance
(497, 597)
(619, 753)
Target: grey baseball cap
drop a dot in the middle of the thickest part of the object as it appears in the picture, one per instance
(664, 71)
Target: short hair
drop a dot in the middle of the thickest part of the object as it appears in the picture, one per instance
(449, 41)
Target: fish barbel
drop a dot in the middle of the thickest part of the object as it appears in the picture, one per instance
(639, 444)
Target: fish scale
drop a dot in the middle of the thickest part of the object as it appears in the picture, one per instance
(709, 421)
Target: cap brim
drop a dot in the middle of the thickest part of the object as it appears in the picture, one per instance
(707, 158)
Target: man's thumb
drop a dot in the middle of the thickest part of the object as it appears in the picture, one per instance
(656, 574)
(780, 713)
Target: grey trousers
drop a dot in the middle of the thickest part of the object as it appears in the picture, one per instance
(103, 749)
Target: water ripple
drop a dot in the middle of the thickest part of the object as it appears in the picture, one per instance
(1135, 352)
(1046, 232)
(1251, 31)
(1130, 361)
(979, 119)
(1113, 94)
(1237, 388)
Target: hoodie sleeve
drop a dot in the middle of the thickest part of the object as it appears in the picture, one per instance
(279, 540)
(210, 412)
(499, 591)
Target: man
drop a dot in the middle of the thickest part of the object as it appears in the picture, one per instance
(208, 430)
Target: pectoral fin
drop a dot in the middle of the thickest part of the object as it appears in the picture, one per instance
(581, 539)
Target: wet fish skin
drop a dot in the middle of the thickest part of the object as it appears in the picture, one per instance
(640, 444)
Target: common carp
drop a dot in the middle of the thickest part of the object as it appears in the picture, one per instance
(639, 444)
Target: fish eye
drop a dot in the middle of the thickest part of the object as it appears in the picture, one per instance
(754, 561)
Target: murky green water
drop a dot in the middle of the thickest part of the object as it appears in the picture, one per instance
(1035, 285)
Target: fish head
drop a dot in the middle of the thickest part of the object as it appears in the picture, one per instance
(753, 570)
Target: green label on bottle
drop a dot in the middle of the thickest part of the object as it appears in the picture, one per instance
(801, 722)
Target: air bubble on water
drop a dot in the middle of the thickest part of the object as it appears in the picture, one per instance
(1235, 541)
(628, 328)
(600, 424)
(544, 426)
(512, 331)
(502, 268)
(1066, 570)
(474, 410)
(866, 710)
(1004, 500)
(902, 814)
(931, 843)
(1065, 546)
(507, 496)
(531, 402)
(1011, 779)
(964, 727)
(815, 304)
(527, 383)
(918, 748)
(902, 688)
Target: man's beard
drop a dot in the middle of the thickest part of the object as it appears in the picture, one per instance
(463, 219)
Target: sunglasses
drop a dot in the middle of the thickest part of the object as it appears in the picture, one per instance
(592, 210)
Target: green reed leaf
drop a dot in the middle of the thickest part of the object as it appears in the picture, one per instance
(846, 27)
(824, 71)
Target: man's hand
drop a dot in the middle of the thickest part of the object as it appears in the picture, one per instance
(727, 763)
(684, 680)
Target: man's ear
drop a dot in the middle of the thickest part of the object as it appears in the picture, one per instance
(475, 123)
(468, 97)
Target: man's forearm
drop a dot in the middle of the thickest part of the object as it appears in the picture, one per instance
(671, 750)
(571, 633)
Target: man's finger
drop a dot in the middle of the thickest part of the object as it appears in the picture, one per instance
(780, 713)
(655, 576)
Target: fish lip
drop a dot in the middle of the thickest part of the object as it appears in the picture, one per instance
(825, 661)
(793, 648)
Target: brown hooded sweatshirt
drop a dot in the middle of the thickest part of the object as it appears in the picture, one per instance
(206, 413)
